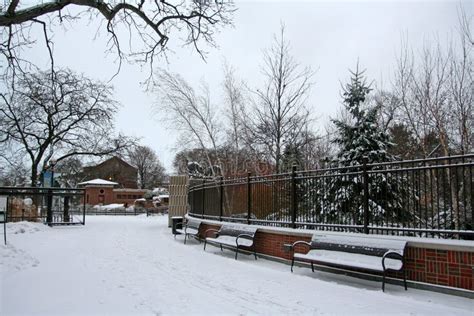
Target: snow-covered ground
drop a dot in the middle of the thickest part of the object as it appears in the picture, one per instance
(133, 265)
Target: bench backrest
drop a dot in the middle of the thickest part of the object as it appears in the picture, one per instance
(233, 230)
(192, 223)
(363, 245)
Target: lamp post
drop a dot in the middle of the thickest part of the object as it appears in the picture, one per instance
(49, 198)
(52, 164)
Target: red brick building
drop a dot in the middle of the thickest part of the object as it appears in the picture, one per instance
(116, 170)
(99, 191)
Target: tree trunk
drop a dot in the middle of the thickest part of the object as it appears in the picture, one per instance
(34, 175)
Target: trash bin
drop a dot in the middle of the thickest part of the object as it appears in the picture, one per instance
(177, 223)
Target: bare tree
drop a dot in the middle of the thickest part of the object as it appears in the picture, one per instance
(461, 86)
(71, 171)
(280, 112)
(465, 25)
(190, 113)
(150, 170)
(51, 117)
(436, 94)
(238, 149)
(138, 30)
(13, 172)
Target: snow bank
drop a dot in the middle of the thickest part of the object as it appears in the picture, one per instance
(25, 227)
(133, 266)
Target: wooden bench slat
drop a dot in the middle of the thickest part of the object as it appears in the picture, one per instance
(230, 230)
(379, 246)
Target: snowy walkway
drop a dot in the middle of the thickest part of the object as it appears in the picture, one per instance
(132, 265)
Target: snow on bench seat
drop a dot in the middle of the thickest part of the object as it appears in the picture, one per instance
(356, 244)
(235, 236)
(350, 260)
(364, 252)
(231, 241)
(190, 228)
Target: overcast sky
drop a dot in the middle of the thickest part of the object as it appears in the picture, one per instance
(328, 36)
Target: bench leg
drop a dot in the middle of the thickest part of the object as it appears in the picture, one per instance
(292, 264)
(383, 282)
(405, 278)
(205, 242)
(221, 248)
(255, 253)
(185, 235)
(236, 252)
(312, 266)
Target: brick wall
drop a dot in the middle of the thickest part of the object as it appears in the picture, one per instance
(441, 267)
(96, 195)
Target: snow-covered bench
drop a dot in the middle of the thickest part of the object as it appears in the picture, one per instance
(366, 253)
(233, 236)
(190, 228)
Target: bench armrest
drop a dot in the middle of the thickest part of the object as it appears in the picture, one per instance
(392, 255)
(245, 236)
(299, 242)
(185, 227)
(215, 231)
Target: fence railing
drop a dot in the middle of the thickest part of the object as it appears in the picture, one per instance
(53, 206)
(426, 198)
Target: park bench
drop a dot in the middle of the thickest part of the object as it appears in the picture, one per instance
(371, 254)
(190, 228)
(233, 236)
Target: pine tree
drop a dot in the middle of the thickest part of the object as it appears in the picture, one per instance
(337, 196)
(361, 139)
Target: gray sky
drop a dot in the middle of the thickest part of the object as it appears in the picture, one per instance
(328, 36)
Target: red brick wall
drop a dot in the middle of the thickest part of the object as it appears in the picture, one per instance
(112, 196)
(123, 196)
(93, 193)
(441, 267)
(273, 244)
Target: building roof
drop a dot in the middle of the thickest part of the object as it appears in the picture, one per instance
(119, 160)
(100, 182)
(131, 190)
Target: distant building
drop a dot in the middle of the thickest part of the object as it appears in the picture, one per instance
(99, 191)
(115, 170)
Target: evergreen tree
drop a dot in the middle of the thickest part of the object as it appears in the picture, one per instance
(360, 140)
(338, 195)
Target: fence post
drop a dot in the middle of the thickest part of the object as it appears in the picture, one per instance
(221, 198)
(66, 209)
(366, 196)
(203, 197)
(49, 207)
(293, 197)
(249, 198)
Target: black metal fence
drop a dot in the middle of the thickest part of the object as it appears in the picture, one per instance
(426, 198)
(53, 206)
(115, 212)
